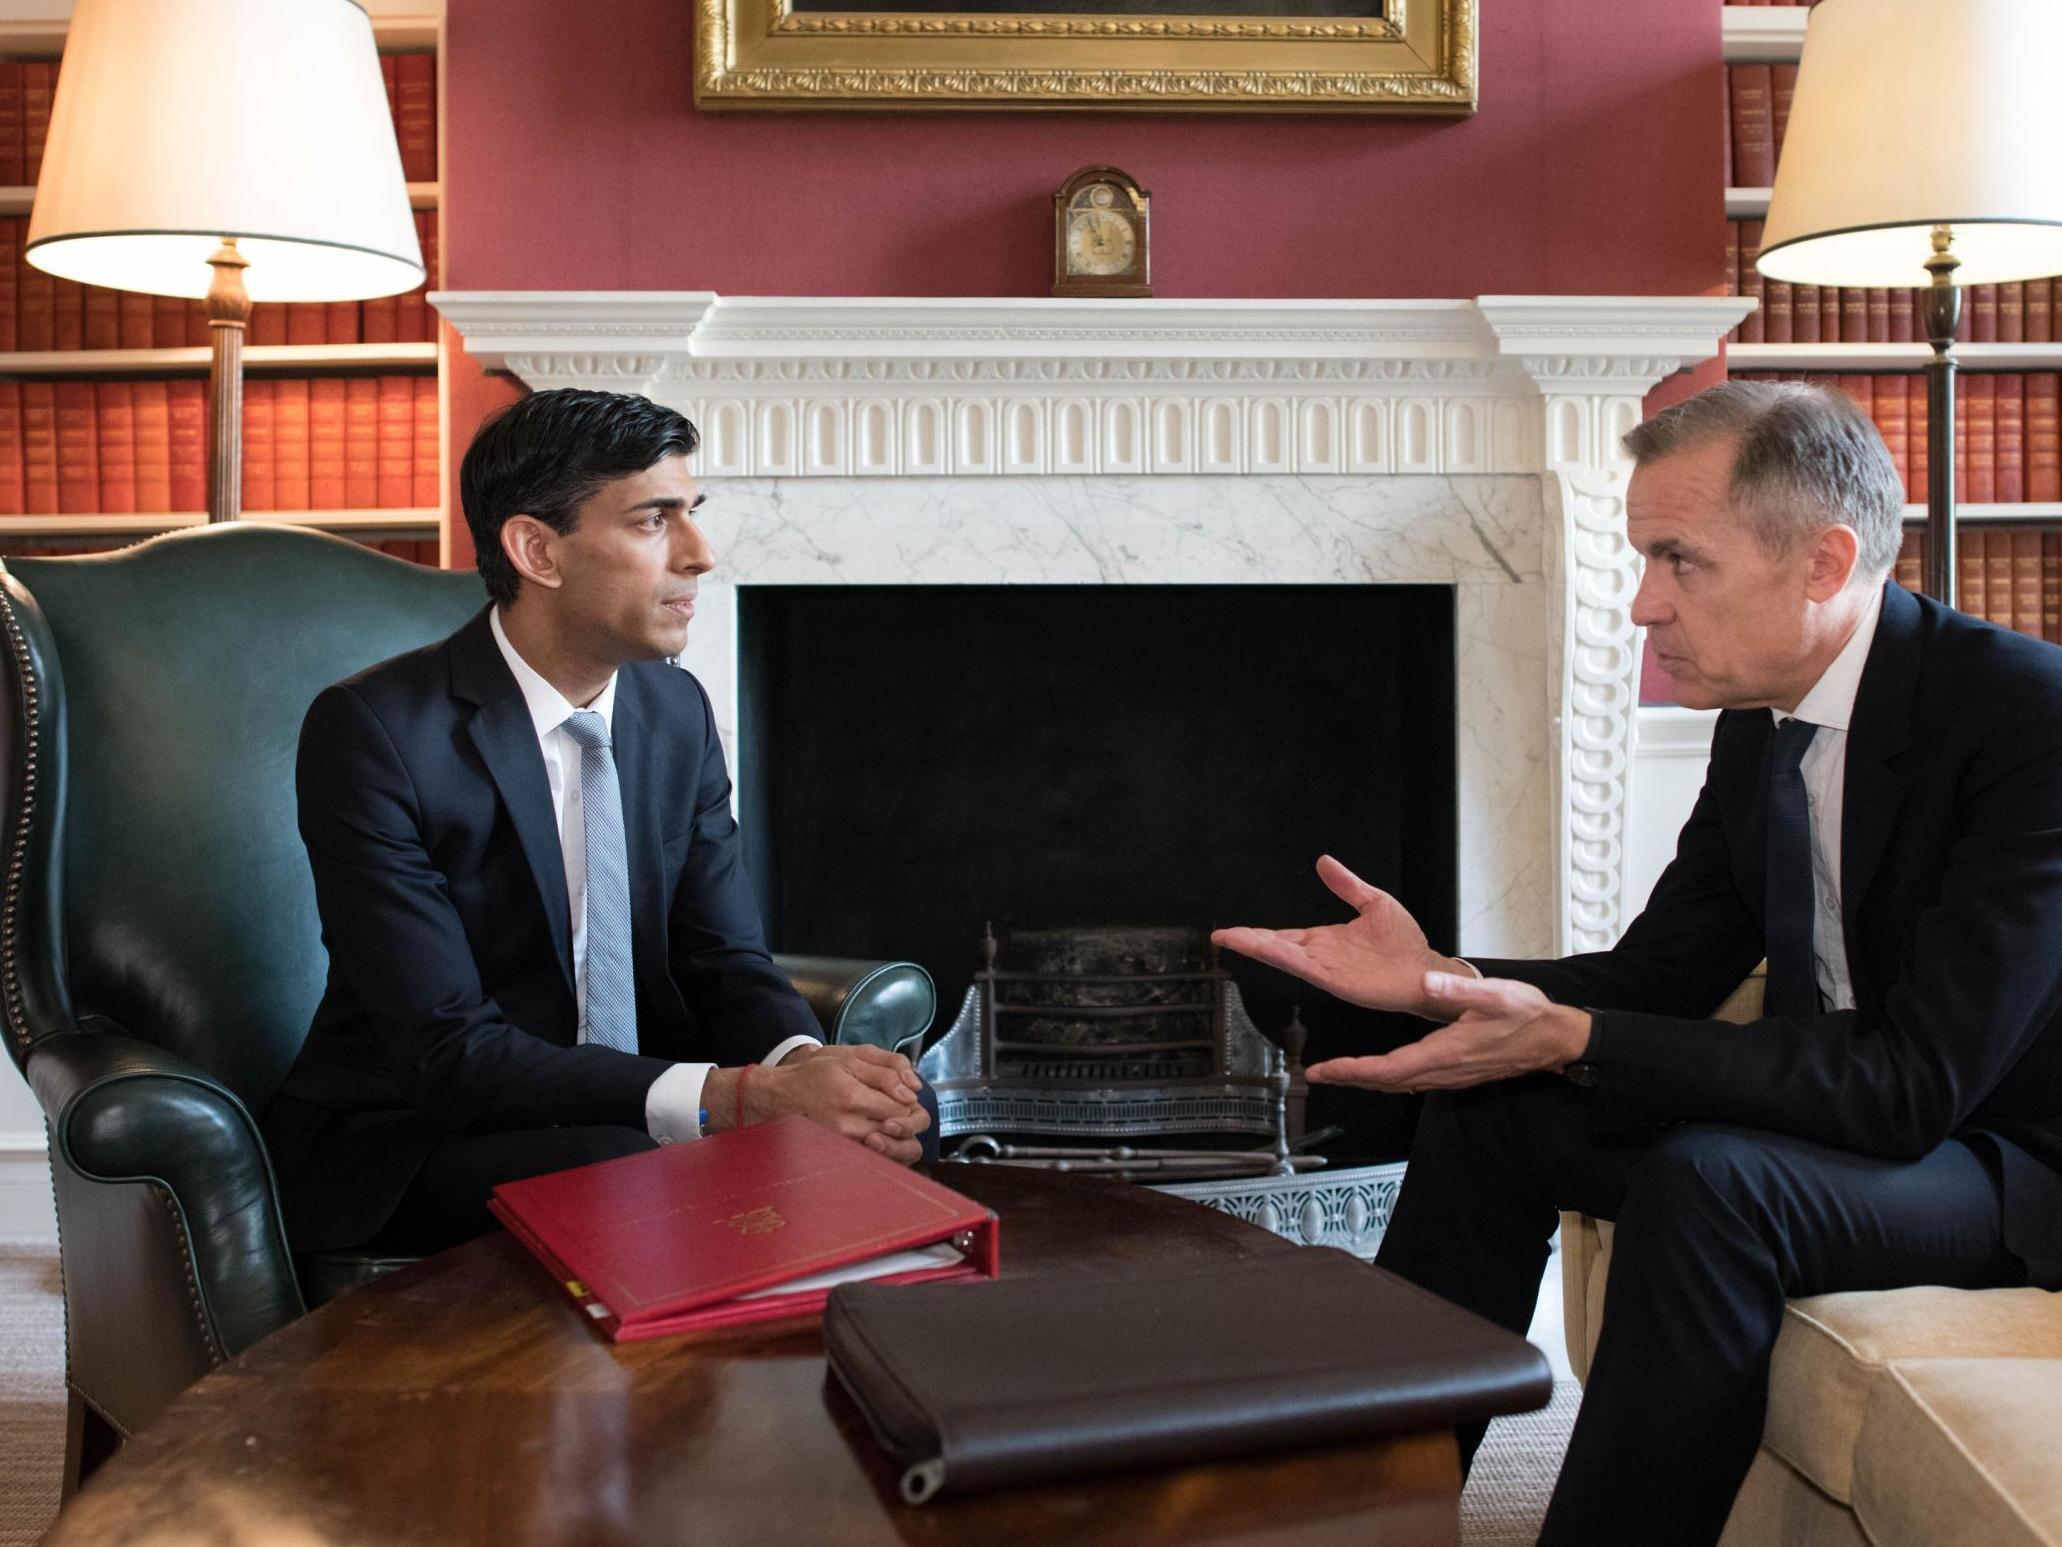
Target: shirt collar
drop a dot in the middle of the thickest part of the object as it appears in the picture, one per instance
(549, 708)
(1831, 700)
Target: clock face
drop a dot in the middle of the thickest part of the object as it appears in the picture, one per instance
(1100, 241)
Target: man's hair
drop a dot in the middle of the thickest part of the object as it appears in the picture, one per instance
(547, 454)
(1806, 459)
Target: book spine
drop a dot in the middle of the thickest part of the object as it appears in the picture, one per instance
(13, 467)
(1782, 90)
(115, 407)
(307, 322)
(14, 160)
(2011, 314)
(188, 444)
(1972, 572)
(39, 448)
(361, 443)
(340, 323)
(1854, 316)
(10, 285)
(1754, 148)
(2040, 312)
(67, 314)
(1997, 548)
(1879, 316)
(267, 324)
(2009, 449)
(78, 449)
(2044, 437)
(1916, 419)
(415, 128)
(1985, 313)
(1904, 323)
(1751, 329)
(167, 322)
(2051, 586)
(260, 447)
(38, 86)
(1890, 409)
(1804, 314)
(290, 444)
(198, 332)
(326, 443)
(35, 324)
(426, 492)
(103, 318)
(2026, 582)
(1908, 571)
(1862, 389)
(1830, 311)
(135, 320)
(153, 400)
(396, 442)
(1777, 312)
(379, 320)
(1982, 395)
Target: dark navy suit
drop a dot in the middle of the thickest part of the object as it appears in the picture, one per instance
(450, 1008)
(1913, 1139)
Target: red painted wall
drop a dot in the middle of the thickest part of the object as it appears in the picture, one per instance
(574, 159)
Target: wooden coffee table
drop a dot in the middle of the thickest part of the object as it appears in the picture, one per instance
(463, 1400)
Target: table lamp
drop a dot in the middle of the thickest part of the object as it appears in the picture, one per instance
(192, 140)
(1920, 151)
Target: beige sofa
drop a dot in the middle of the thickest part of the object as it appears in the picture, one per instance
(1898, 1418)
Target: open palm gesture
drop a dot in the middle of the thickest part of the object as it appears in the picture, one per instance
(1378, 958)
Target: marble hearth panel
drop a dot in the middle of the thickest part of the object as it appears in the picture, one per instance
(1480, 534)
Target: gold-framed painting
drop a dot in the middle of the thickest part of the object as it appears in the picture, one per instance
(1308, 56)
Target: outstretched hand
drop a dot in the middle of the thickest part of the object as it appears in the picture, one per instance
(1379, 958)
(1500, 1029)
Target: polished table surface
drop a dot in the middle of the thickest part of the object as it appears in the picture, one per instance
(463, 1400)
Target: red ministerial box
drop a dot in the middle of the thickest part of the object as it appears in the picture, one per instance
(691, 1236)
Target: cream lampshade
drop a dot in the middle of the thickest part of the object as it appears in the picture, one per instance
(1921, 151)
(238, 150)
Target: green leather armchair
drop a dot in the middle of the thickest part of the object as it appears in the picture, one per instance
(160, 954)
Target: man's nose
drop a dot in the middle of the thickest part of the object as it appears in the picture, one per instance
(1647, 607)
(691, 550)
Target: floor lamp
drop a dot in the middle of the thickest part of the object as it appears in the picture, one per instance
(227, 150)
(1921, 151)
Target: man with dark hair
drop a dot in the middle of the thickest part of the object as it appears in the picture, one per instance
(543, 950)
(1882, 821)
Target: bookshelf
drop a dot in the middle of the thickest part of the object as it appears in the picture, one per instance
(33, 30)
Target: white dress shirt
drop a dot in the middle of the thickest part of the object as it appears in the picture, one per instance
(672, 1107)
(1830, 706)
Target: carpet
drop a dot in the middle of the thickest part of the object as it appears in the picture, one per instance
(31, 1390)
(1514, 1473)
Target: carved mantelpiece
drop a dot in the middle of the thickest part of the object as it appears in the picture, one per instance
(884, 441)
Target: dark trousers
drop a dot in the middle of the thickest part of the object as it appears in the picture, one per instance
(447, 1202)
(1716, 1228)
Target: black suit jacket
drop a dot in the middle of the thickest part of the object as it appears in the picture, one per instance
(1951, 889)
(450, 1006)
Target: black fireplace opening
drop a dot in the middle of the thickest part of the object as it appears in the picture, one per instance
(916, 762)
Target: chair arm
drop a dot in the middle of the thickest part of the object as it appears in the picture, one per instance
(889, 1004)
(124, 1110)
(1585, 1263)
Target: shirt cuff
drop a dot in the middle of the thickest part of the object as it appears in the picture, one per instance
(673, 1105)
(788, 1047)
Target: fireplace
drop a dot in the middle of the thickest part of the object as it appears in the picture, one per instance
(1469, 445)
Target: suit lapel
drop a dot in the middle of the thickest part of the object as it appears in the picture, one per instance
(1880, 731)
(501, 728)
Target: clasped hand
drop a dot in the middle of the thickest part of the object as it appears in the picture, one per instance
(1497, 1029)
(865, 1093)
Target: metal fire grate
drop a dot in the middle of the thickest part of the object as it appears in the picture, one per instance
(1113, 1034)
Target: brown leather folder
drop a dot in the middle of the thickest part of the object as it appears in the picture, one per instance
(1025, 1380)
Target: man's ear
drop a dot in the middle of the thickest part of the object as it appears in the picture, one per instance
(1834, 550)
(532, 547)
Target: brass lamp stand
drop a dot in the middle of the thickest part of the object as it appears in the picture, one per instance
(229, 309)
(1941, 311)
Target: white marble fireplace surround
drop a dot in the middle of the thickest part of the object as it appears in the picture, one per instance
(941, 442)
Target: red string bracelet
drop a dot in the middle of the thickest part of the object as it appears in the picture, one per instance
(742, 1075)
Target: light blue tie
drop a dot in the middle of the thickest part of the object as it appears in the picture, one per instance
(611, 982)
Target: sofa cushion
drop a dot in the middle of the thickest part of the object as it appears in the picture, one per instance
(1961, 1453)
(1833, 1347)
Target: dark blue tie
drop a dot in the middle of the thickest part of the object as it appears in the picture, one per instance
(1793, 984)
